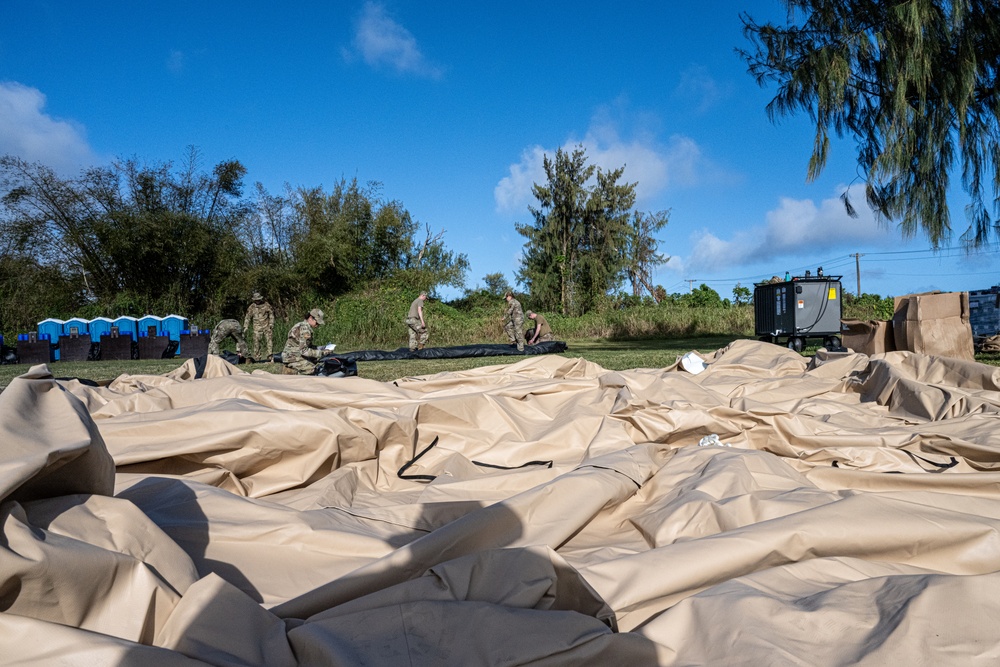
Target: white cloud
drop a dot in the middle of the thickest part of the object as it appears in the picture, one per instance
(514, 192)
(654, 167)
(382, 42)
(27, 132)
(796, 227)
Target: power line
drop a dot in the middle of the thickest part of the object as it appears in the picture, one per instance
(965, 251)
(947, 275)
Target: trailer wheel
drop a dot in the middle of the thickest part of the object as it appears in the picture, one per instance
(795, 343)
(835, 343)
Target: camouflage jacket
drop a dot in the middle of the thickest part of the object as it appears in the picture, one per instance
(514, 313)
(262, 316)
(227, 328)
(299, 344)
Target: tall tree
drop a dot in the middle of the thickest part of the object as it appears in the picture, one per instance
(574, 253)
(552, 249)
(914, 82)
(642, 251)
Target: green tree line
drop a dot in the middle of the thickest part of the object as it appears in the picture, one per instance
(136, 238)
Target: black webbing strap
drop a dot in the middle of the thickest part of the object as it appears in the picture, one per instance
(941, 467)
(430, 478)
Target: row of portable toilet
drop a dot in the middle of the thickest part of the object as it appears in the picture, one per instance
(173, 328)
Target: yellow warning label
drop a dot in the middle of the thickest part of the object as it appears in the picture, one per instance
(833, 294)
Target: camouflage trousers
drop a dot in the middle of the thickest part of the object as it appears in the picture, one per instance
(544, 338)
(301, 367)
(515, 332)
(228, 329)
(268, 337)
(418, 333)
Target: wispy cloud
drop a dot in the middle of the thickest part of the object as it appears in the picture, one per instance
(653, 165)
(26, 131)
(699, 90)
(796, 227)
(382, 42)
(176, 61)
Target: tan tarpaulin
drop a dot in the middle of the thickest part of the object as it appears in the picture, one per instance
(768, 510)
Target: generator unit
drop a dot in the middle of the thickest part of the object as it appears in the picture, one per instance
(792, 311)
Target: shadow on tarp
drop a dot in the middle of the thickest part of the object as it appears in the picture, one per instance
(467, 592)
(475, 590)
(177, 513)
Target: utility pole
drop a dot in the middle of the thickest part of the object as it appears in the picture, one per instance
(857, 268)
(690, 282)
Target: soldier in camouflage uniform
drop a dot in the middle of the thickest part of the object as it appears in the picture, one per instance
(513, 319)
(542, 333)
(261, 315)
(416, 324)
(228, 329)
(299, 355)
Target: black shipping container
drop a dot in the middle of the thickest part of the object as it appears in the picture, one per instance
(799, 309)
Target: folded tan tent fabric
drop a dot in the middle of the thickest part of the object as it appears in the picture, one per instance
(770, 509)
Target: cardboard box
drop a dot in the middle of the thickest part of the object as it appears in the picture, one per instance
(867, 336)
(935, 323)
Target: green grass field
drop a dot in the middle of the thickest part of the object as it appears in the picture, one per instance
(613, 355)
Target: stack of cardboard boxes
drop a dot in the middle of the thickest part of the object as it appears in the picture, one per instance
(934, 323)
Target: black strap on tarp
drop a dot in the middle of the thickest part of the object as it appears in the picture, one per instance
(941, 467)
(430, 478)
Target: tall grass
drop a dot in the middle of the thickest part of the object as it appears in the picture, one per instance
(374, 319)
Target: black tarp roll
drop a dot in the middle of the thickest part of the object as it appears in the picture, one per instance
(455, 352)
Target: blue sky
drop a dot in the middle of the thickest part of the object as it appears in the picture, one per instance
(451, 106)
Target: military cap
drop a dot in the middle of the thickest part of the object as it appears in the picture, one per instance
(317, 315)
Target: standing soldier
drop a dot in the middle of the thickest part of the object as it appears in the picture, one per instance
(228, 329)
(416, 324)
(542, 331)
(299, 355)
(261, 315)
(513, 319)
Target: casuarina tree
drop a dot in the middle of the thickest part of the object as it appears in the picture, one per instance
(913, 82)
(576, 250)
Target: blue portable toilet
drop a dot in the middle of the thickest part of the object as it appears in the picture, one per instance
(99, 326)
(127, 325)
(173, 325)
(82, 326)
(50, 330)
(147, 321)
